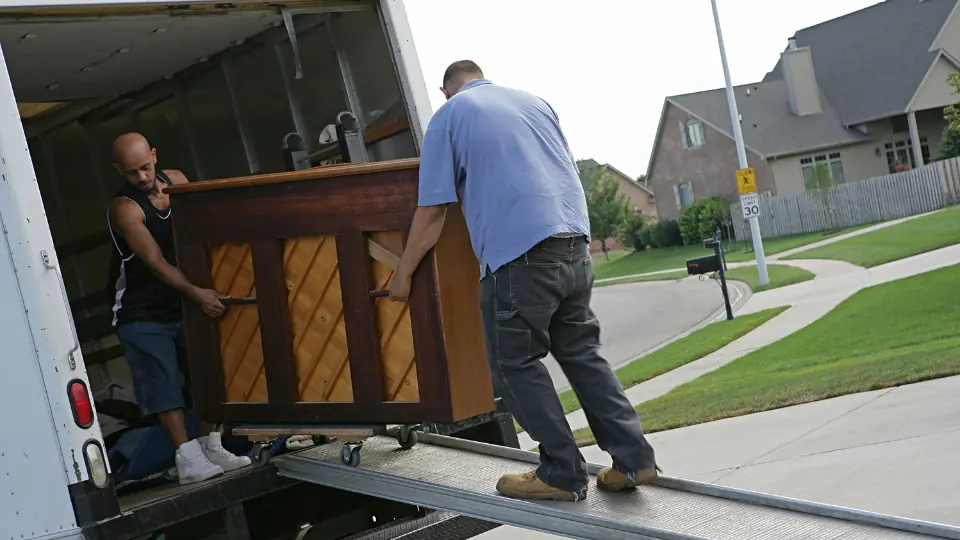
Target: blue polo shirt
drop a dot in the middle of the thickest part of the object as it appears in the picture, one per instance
(502, 152)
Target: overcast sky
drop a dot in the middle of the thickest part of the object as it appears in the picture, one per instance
(607, 69)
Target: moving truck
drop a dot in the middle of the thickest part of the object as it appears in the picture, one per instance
(216, 87)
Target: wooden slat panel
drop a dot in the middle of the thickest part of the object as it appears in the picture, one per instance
(241, 350)
(883, 198)
(316, 318)
(397, 360)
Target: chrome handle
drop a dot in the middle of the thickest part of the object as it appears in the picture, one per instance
(50, 264)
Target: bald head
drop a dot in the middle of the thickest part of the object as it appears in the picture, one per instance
(135, 160)
(458, 74)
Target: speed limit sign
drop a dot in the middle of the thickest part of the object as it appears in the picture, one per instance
(750, 203)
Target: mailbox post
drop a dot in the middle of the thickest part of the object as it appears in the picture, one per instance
(709, 264)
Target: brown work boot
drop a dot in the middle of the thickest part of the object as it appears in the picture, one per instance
(610, 479)
(529, 486)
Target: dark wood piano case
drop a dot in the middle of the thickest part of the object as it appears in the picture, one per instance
(315, 347)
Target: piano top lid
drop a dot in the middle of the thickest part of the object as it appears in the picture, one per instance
(326, 171)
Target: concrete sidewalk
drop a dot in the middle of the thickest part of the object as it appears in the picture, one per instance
(892, 451)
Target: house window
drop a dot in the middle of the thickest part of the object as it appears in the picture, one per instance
(832, 163)
(692, 134)
(900, 154)
(683, 194)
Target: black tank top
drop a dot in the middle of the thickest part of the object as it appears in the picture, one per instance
(138, 294)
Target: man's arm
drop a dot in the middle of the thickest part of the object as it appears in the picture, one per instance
(424, 233)
(437, 189)
(128, 221)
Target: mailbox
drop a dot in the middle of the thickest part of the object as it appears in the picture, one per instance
(703, 265)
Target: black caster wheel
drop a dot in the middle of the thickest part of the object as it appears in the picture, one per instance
(350, 455)
(261, 454)
(407, 437)
(320, 440)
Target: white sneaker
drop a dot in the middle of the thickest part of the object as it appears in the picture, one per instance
(193, 466)
(213, 448)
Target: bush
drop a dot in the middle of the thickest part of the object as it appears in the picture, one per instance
(699, 220)
(629, 232)
(663, 234)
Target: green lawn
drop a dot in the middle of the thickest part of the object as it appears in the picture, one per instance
(780, 275)
(897, 333)
(893, 243)
(683, 351)
(655, 260)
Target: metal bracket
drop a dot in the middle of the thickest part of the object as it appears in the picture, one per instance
(52, 264)
(292, 35)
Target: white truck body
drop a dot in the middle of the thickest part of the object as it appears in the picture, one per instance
(46, 458)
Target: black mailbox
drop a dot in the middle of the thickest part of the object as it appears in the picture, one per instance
(703, 265)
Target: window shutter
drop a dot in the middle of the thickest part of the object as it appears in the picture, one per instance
(676, 195)
(683, 135)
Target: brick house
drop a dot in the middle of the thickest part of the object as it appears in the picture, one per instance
(863, 94)
(641, 198)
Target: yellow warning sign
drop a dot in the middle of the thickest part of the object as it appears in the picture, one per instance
(746, 181)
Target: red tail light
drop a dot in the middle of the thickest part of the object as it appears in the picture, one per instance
(80, 403)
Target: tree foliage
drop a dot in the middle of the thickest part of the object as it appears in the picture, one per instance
(607, 207)
(699, 220)
(950, 143)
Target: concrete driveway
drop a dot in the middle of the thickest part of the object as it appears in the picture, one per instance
(637, 317)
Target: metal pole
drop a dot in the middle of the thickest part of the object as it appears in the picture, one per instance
(741, 150)
(717, 247)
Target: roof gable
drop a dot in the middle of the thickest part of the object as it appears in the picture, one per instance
(869, 63)
(769, 128)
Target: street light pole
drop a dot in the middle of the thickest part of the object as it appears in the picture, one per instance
(741, 150)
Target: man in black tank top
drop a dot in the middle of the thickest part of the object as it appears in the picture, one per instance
(148, 291)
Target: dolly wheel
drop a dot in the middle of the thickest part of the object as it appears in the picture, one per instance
(407, 437)
(350, 455)
(261, 454)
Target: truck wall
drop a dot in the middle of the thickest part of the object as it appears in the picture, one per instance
(224, 118)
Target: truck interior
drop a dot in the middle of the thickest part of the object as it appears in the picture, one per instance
(215, 90)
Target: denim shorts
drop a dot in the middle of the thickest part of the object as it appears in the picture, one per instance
(157, 355)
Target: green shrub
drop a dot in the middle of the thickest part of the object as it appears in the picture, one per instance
(629, 232)
(665, 233)
(699, 220)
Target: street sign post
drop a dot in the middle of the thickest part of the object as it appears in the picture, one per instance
(750, 204)
(746, 178)
(746, 181)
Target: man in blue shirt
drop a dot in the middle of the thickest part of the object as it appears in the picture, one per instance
(501, 152)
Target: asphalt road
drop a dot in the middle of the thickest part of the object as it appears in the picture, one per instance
(637, 317)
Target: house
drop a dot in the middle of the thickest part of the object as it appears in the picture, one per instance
(641, 197)
(862, 94)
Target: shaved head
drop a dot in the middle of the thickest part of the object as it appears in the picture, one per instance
(458, 74)
(136, 160)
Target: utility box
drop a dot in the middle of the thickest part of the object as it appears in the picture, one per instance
(703, 265)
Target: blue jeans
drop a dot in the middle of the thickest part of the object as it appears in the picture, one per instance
(540, 303)
(157, 355)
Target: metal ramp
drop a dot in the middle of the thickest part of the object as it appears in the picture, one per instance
(457, 475)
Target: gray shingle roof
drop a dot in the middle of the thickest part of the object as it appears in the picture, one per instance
(869, 63)
(769, 128)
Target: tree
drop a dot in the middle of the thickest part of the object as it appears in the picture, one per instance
(606, 206)
(950, 143)
(821, 185)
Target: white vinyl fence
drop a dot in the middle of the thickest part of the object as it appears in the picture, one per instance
(894, 196)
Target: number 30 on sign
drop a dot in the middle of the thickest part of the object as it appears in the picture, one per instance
(750, 204)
